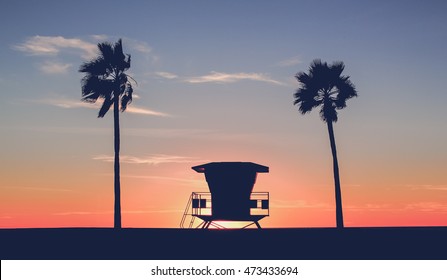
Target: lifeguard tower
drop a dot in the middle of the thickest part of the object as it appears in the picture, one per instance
(230, 197)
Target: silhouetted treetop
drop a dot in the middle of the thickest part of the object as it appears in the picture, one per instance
(324, 85)
(104, 77)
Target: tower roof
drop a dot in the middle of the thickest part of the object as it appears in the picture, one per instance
(231, 165)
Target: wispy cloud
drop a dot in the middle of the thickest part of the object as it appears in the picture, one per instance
(140, 46)
(175, 179)
(437, 188)
(367, 207)
(370, 207)
(214, 135)
(81, 213)
(99, 37)
(388, 207)
(50, 67)
(40, 189)
(300, 204)
(142, 111)
(166, 75)
(190, 133)
(151, 159)
(152, 211)
(84, 213)
(53, 45)
(428, 187)
(427, 207)
(63, 129)
(292, 61)
(69, 103)
(163, 133)
(220, 77)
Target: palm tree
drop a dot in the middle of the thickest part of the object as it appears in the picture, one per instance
(325, 87)
(105, 79)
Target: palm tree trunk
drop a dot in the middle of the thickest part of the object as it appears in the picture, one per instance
(338, 203)
(117, 214)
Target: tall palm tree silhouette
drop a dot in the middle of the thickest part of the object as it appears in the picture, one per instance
(105, 79)
(325, 87)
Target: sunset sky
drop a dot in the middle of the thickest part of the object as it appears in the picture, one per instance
(216, 83)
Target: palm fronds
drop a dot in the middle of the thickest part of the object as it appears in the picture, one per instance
(105, 78)
(324, 86)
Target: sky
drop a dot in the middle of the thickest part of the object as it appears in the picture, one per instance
(216, 83)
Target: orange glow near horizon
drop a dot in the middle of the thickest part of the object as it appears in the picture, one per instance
(159, 201)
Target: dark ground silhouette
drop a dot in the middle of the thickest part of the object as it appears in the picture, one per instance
(297, 243)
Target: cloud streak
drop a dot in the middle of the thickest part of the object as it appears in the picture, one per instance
(99, 37)
(53, 45)
(155, 159)
(175, 179)
(69, 104)
(38, 189)
(166, 75)
(142, 47)
(428, 187)
(142, 111)
(427, 207)
(388, 207)
(292, 61)
(83, 213)
(300, 204)
(49, 67)
(220, 77)
(370, 207)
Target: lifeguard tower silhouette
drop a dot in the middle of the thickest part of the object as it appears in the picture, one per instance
(230, 197)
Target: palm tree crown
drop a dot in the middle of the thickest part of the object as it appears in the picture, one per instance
(324, 86)
(105, 78)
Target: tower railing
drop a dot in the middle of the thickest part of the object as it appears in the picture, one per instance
(200, 205)
(260, 204)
